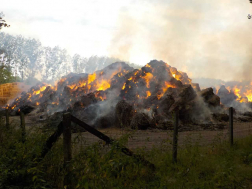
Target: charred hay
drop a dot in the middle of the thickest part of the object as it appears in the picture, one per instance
(123, 114)
(146, 97)
(141, 121)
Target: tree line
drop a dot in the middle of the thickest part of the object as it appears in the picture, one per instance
(23, 58)
(26, 57)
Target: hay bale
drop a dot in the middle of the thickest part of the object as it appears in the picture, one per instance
(161, 122)
(223, 91)
(141, 121)
(26, 109)
(88, 99)
(123, 114)
(186, 93)
(105, 121)
(221, 117)
(196, 87)
(165, 103)
(209, 97)
(226, 97)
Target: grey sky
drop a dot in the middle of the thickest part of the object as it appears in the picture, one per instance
(203, 38)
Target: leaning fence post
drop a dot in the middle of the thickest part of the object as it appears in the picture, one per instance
(22, 119)
(67, 148)
(7, 119)
(175, 138)
(231, 136)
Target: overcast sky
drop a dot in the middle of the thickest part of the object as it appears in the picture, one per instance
(204, 38)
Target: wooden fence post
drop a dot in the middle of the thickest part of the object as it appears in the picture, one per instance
(1, 129)
(67, 149)
(175, 137)
(231, 136)
(22, 119)
(7, 119)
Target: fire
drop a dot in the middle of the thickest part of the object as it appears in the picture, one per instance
(72, 86)
(167, 85)
(237, 91)
(100, 81)
(123, 86)
(100, 96)
(39, 91)
(13, 107)
(91, 78)
(148, 93)
(248, 94)
(244, 93)
(179, 76)
(147, 78)
(96, 83)
(148, 65)
(102, 85)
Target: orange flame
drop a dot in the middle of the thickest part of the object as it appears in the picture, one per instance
(123, 86)
(102, 85)
(147, 78)
(148, 93)
(91, 77)
(40, 90)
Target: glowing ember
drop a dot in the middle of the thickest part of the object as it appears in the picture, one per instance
(123, 86)
(148, 93)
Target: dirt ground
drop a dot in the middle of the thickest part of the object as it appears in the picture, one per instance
(150, 138)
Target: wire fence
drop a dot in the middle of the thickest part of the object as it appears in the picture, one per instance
(150, 138)
(133, 139)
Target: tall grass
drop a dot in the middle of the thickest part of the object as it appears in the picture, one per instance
(212, 166)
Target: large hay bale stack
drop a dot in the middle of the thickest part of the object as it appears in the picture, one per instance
(9, 91)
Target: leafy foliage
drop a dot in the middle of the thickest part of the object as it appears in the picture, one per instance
(6, 75)
(3, 22)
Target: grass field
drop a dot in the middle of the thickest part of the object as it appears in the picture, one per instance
(213, 164)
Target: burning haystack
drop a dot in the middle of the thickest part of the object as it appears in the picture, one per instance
(121, 96)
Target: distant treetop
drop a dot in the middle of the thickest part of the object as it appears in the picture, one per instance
(3, 22)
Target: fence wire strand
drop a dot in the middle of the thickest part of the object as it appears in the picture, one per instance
(154, 137)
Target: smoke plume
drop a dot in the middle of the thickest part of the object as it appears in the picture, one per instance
(206, 39)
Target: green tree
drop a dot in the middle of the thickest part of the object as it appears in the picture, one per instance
(6, 76)
(3, 22)
(5, 70)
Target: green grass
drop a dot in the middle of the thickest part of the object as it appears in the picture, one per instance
(213, 166)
